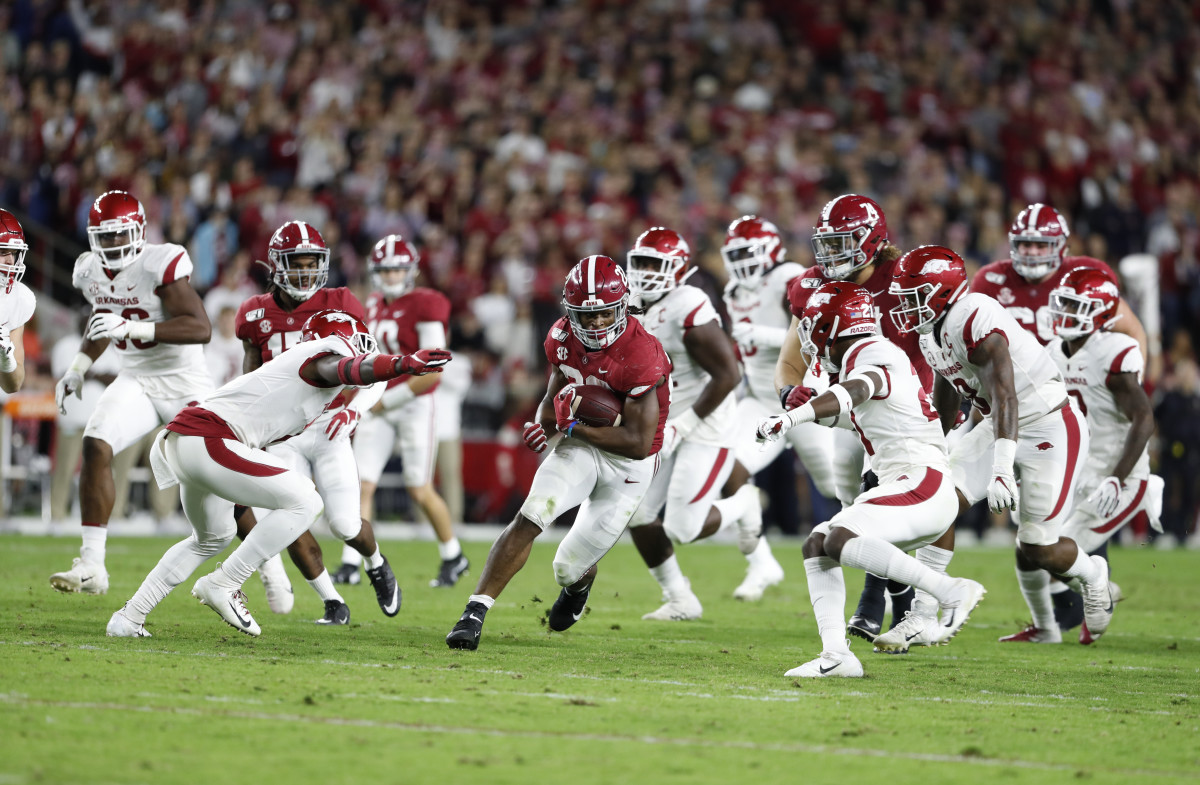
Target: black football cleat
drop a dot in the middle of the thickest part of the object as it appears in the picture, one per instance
(465, 634)
(347, 574)
(387, 591)
(450, 571)
(861, 626)
(568, 609)
(336, 613)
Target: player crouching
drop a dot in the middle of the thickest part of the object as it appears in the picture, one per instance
(877, 393)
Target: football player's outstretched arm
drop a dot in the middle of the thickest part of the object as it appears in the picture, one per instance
(634, 437)
(826, 408)
(1128, 323)
(333, 370)
(712, 350)
(186, 321)
(947, 401)
(1132, 401)
(792, 364)
(992, 359)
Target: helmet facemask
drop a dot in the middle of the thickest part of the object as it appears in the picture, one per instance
(1074, 314)
(117, 242)
(652, 274)
(1036, 266)
(914, 313)
(746, 261)
(12, 268)
(301, 283)
(599, 337)
(840, 254)
(385, 280)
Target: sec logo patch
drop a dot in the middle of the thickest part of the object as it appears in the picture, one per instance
(265, 326)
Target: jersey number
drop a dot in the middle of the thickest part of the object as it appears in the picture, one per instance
(131, 315)
(387, 332)
(278, 343)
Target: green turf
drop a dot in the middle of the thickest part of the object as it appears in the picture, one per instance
(615, 699)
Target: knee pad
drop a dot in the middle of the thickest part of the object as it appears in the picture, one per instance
(345, 528)
(569, 566)
(212, 544)
(683, 523)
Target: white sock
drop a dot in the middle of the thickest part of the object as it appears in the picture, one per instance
(736, 506)
(449, 549)
(882, 558)
(351, 556)
(1084, 568)
(936, 559)
(482, 599)
(827, 591)
(94, 538)
(670, 577)
(179, 562)
(375, 560)
(1035, 588)
(761, 555)
(323, 586)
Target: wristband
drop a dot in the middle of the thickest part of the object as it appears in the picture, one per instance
(842, 395)
(141, 331)
(1004, 454)
(784, 392)
(571, 427)
(80, 364)
(802, 414)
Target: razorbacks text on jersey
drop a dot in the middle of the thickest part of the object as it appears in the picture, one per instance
(631, 366)
(395, 323)
(669, 320)
(1086, 374)
(765, 305)
(1029, 303)
(878, 284)
(132, 292)
(1039, 386)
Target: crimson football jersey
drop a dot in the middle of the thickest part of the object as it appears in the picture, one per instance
(1029, 303)
(394, 324)
(630, 366)
(881, 279)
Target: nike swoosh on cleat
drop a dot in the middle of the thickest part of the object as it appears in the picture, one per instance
(631, 482)
(950, 623)
(245, 622)
(827, 670)
(395, 603)
(476, 618)
(85, 580)
(910, 637)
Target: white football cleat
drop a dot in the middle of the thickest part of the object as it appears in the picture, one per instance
(760, 575)
(84, 576)
(683, 607)
(1097, 603)
(830, 663)
(278, 587)
(913, 630)
(1032, 634)
(957, 610)
(750, 525)
(120, 626)
(230, 604)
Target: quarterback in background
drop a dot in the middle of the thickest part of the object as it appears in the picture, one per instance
(17, 303)
(404, 317)
(1103, 373)
(605, 471)
(143, 303)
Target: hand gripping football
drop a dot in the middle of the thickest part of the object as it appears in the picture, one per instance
(597, 406)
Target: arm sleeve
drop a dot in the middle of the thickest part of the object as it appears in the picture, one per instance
(431, 335)
(178, 267)
(1127, 358)
(982, 320)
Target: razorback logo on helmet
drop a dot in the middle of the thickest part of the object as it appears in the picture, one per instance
(819, 299)
(935, 266)
(349, 328)
(1109, 288)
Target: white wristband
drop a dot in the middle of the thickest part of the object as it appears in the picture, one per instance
(1004, 454)
(802, 414)
(397, 396)
(845, 404)
(80, 364)
(141, 331)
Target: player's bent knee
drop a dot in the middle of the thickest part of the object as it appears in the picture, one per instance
(345, 528)
(95, 449)
(814, 546)
(684, 528)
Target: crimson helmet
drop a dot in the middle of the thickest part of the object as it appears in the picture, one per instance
(849, 234)
(657, 263)
(394, 253)
(1085, 301)
(12, 250)
(928, 280)
(116, 229)
(349, 328)
(294, 239)
(597, 283)
(838, 309)
(1044, 226)
(752, 246)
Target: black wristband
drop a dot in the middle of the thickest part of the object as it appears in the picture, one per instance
(783, 395)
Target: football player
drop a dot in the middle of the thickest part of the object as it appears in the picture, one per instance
(404, 317)
(142, 303)
(216, 448)
(682, 505)
(1103, 372)
(1029, 427)
(268, 325)
(1022, 283)
(851, 243)
(605, 471)
(876, 392)
(756, 300)
(17, 303)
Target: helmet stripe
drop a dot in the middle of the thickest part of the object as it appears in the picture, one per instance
(391, 246)
(303, 230)
(829, 207)
(591, 275)
(1033, 217)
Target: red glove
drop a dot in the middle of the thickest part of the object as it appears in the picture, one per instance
(534, 436)
(959, 419)
(424, 361)
(345, 419)
(562, 407)
(794, 397)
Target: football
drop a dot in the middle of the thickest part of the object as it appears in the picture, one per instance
(596, 406)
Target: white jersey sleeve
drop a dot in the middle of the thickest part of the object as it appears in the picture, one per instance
(16, 307)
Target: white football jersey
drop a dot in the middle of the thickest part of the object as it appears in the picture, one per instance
(669, 320)
(764, 306)
(133, 293)
(898, 427)
(16, 307)
(1039, 385)
(273, 402)
(1086, 375)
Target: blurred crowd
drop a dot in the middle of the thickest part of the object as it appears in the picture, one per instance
(509, 139)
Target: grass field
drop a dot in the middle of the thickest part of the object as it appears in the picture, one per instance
(615, 699)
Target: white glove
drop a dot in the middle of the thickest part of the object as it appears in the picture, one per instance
(1106, 498)
(758, 336)
(117, 328)
(1002, 488)
(72, 381)
(773, 428)
(8, 354)
(678, 429)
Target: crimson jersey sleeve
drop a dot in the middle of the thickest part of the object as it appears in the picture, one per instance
(432, 306)
(990, 278)
(801, 287)
(242, 326)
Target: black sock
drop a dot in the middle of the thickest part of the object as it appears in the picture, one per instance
(901, 602)
(1068, 609)
(871, 601)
